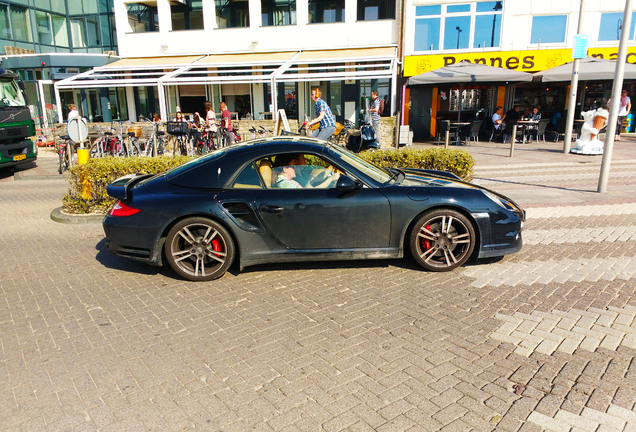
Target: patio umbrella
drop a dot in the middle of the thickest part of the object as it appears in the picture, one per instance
(590, 69)
(467, 72)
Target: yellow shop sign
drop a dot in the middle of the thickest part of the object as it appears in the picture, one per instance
(527, 61)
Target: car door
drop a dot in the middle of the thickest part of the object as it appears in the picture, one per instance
(326, 218)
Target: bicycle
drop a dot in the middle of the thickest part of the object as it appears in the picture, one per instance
(131, 146)
(65, 154)
(103, 146)
(180, 131)
(155, 145)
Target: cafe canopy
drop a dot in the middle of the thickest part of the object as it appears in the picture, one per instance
(467, 72)
(590, 69)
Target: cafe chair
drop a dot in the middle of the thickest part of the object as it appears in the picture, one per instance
(507, 133)
(471, 132)
(442, 127)
(494, 133)
(539, 132)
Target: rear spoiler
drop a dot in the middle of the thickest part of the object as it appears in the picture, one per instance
(121, 187)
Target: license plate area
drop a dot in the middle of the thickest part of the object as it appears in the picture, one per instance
(19, 157)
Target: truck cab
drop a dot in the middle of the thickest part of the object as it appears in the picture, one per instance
(16, 124)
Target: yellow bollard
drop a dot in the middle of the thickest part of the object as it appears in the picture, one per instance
(82, 159)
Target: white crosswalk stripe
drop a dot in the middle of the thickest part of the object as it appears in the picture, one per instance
(580, 235)
(552, 271)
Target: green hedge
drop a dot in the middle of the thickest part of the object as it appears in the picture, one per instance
(102, 171)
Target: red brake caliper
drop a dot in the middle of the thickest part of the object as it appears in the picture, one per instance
(216, 246)
(426, 244)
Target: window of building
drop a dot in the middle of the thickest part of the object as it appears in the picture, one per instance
(232, 13)
(187, 15)
(326, 11)
(278, 12)
(60, 32)
(21, 24)
(78, 33)
(43, 25)
(458, 26)
(548, 29)
(5, 28)
(372, 10)
(611, 26)
(142, 18)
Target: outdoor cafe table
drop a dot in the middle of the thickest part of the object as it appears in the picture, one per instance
(458, 126)
(526, 125)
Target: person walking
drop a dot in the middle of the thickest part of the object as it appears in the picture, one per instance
(73, 112)
(226, 123)
(324, 116)
(624, 107)
(375, 114)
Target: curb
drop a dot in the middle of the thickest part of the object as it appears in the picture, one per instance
(75, 219)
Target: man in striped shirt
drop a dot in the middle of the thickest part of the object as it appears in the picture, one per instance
(324, 116)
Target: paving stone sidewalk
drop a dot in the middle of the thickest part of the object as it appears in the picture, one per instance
(543, 340)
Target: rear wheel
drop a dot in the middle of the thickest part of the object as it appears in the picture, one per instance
(442, 240)
(199, 249)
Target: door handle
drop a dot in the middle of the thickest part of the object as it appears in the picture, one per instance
(266, 208)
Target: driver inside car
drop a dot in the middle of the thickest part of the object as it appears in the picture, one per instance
(307, 176)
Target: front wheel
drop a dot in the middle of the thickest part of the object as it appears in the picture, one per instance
(442, 240)
(199, 249)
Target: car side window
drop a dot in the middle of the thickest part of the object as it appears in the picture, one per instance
(248, 179)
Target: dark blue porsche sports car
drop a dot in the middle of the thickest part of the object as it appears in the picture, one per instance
(299, 199)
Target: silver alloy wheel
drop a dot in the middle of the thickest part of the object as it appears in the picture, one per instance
(442, 240)
(199, 249)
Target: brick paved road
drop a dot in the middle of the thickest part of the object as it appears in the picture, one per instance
(541, 340)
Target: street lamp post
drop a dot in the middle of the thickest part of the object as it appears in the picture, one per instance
(458, 32)
(497, 8)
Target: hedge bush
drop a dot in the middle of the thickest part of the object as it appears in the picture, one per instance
(100, 172)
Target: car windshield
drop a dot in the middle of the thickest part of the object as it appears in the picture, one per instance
(378, 174)
(10, 94)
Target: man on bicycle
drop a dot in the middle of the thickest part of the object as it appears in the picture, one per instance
(324, 116)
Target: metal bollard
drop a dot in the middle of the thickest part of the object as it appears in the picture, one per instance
(446, 139)
(512, 140)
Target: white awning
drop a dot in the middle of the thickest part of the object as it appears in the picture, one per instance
(287, 66)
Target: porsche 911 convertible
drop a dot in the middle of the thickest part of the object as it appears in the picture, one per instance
(288, 199)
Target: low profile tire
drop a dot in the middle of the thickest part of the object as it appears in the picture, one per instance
(199, 249)
(442, 240)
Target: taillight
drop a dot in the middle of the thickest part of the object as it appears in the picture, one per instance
(121, 209)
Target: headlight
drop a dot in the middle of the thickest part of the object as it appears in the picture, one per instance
(501, 202)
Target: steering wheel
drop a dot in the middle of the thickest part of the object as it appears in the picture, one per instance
(320, 178)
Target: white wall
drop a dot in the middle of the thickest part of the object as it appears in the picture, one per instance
(350, 33)
(517, 22)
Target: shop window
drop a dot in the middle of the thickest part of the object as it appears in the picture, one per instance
(21, 24)
(452, 26)
(372, 10)
(59, 6)
(278, 12)
(612, 25)
(326, 11)
(5, 29)
(187, 15)
(142, 18)
(548, 29)
(232, 13)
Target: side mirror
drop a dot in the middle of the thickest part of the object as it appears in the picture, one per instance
(21, 85)
(346, 183)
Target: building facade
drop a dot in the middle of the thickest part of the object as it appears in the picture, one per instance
(259, 56)
(529, 36)
(45, 41)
